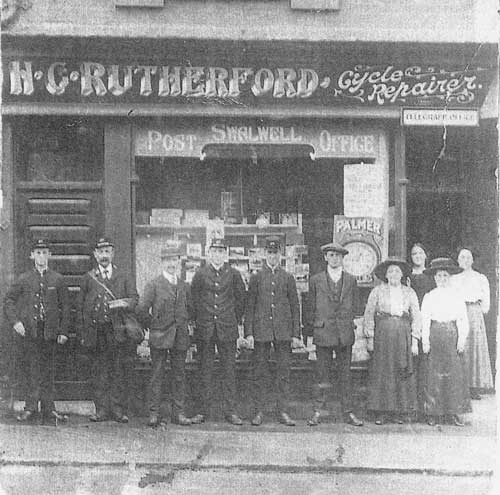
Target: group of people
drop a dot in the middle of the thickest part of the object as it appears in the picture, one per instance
(424, 328)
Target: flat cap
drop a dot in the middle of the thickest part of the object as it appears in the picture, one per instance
(334, 246)
(218, 242)
(170, 252)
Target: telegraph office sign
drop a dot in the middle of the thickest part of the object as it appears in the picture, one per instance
(172, 82)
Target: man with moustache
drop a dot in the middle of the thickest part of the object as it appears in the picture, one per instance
(332, 303)
(272, 317)
(164, 309)
(37, 308)
(100, 329)
(218, 294)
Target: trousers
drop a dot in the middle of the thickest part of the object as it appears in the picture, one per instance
(227, 352)
(262, 378)
(177, 379)
(324, 362)
(112, 367)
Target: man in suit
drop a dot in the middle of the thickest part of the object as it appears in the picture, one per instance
(218, 294)
(37, 308)
(164, 310)
(333, 301)
(272, 316)
(100, 329)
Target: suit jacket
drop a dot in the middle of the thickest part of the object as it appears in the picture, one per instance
(92, 302)
(22, 301)
(272, 310)
(218, 302)
(164, 309)
(332, 324)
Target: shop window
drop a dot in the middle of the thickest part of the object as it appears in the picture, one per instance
(59, 150)
(255, 194)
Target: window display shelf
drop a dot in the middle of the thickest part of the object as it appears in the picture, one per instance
(229, 229)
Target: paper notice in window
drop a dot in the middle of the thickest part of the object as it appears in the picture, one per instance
(364, 190)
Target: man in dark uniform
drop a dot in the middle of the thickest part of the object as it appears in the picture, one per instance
(37, 307)
(164, 310)
(272, 316)
(333, 301)
(100, 329)
(218, 295)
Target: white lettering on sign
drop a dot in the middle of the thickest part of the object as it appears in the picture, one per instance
(222, 133)
(440, 117)
(346, 144)
(361, 224)
(378, 85)
(170, 143)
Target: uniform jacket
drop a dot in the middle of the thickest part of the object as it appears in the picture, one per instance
(218, 302)
(92, 302)
(330, 326)
(22, 302)
(272, 310)
(164, 309)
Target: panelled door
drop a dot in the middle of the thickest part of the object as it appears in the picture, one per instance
(69, 217)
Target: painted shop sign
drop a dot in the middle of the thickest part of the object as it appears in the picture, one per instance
(34, 80)
(191, 140)
(439, 117)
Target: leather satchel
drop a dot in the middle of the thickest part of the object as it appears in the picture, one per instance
(128, 321)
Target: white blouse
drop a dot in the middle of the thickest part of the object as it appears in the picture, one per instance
(474, 287)
(444, 304)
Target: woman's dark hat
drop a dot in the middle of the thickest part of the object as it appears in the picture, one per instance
(446, 264)
(170, 252)
(334, 246)
(381, 268)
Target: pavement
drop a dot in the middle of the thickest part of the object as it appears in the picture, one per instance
(335, 455)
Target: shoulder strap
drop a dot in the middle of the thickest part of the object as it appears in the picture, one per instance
(102, 285)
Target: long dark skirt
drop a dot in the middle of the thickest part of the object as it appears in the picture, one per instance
(446, 390)
(392, 386)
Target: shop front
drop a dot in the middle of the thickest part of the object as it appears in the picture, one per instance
(301, 140)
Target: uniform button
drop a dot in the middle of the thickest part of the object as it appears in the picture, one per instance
(35, 306)
(270, 317)
(272, 283)
(215, 306)
(272, 305)
(216, 284)
(216, 295)
(215, 317)
(272, 293)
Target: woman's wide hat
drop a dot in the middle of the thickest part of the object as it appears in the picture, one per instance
(446, 264)
(381, 268)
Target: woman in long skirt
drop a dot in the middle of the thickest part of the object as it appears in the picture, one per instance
(421, 283)
(475, 289)
(392, 325)
(444, 332)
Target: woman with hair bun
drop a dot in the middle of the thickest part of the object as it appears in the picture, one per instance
(475, 290)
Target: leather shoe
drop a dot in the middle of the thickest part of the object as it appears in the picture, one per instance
(234, 419)
(25, 416)
(120, 418)
(431, 421)
(181, 419)
(314, 420)
(154, 420)
(351, 419)
(257, 419)
(198, 419)
(455, 420)
(380, 420)
(285, 419)
(98, 417)
(475, 395)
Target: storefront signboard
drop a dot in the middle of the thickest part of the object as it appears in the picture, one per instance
(172, 81)
(364, 191)
(192, 139)
(363, 238)
(456, 117)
